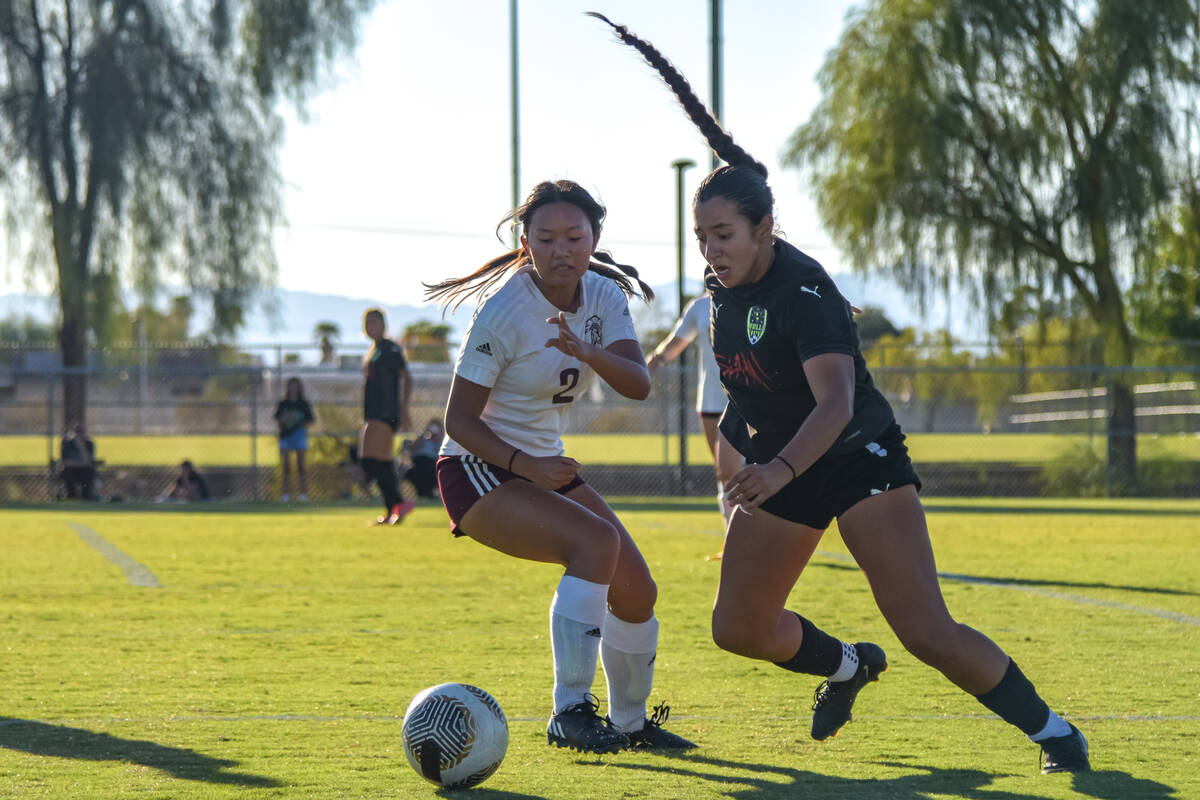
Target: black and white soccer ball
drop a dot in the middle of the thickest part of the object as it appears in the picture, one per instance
(455, 735)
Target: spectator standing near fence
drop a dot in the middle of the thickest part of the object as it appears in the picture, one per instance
(294, 414)
(387, 391)
(823, 444)
(693, 325)
(77, 463)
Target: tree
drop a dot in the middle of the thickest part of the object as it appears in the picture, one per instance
(873, 324)
(1023, 143)
(327, 334)
(427, 341)
(140, 136)
(25, 329)
(1166, 300)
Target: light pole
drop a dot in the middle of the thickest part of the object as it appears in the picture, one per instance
(716, 65)
(681, 166)
(514, 68)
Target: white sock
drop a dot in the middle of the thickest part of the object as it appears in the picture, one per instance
(628, 650)
(1055, 726)
(849, 664)
(723, 502)
(576, 623)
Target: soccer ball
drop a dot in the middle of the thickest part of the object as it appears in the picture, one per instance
(455, 735)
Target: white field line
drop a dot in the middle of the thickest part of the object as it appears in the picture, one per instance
(1071, 598)
(137, 574)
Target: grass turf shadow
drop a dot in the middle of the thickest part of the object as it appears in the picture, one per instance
(763, 781)
(61, 741)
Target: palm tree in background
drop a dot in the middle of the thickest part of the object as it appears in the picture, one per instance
(327, 334)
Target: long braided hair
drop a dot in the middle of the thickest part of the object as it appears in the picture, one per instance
(454, 291)
(744, 181)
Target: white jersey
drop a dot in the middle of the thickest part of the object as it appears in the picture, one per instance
(694, 324)
(533, 385)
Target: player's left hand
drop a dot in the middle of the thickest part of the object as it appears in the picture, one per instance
(568, 342)
(751, 485)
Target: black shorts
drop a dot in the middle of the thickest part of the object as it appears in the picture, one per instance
(462, 480)
(835, 483)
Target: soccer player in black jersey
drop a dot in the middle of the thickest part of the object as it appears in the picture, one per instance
(386, 394)
(821, 443)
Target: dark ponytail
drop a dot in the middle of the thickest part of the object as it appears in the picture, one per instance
(744, 181)
(456, 290)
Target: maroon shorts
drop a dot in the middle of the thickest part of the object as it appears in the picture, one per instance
(462, 480)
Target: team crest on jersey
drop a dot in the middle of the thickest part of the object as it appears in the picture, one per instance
(593, 329)
(756, 324)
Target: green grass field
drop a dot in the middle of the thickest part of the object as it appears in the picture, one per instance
(1033, 448)
(279, 650)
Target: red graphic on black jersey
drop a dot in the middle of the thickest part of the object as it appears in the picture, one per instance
(743, 368)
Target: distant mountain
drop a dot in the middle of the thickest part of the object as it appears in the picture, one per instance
(294, 314)
(289, 320)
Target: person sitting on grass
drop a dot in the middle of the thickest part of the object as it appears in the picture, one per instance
(77, 463)
(189, 485)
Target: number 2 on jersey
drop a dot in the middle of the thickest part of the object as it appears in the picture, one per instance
(568, 378)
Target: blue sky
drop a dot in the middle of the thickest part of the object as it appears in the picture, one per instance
(398, 170)
(402, 171)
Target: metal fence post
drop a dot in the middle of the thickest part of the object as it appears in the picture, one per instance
(254, 432)
(1108, 430)
(50, 434)
(683, 431)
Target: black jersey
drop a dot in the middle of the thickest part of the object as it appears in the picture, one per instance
(292, 415)
(381, 397)
(763, 333)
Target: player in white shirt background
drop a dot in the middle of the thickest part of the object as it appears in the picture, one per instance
(693, 325)
(552, 317)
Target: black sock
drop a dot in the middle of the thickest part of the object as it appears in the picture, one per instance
(819, 653)
(1016, 702)
(385, 479)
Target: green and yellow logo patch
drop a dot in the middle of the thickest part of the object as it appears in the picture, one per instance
(756, 324)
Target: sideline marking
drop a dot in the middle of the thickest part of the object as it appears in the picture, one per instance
(1072, 598)
(138, 574)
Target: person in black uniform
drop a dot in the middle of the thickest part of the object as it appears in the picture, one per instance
(386, 396)
(821, 443)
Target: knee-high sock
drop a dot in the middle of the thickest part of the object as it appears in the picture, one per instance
(1016, 702)
(822, 654)
(628, 650)
(385, 478)
(576, 624)
(723, 502)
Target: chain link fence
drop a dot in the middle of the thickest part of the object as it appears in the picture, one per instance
(998, 431)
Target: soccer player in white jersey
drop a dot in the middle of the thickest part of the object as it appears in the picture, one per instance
(693, 325)
(551, 318)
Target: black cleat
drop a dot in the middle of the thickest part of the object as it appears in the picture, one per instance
(580, 728)
(1065, 753)
(653, 736)
(832, 701)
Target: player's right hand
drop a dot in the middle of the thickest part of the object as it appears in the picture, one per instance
(549, 472)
